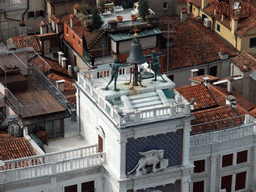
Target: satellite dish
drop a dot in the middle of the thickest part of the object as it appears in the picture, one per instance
(253, 75)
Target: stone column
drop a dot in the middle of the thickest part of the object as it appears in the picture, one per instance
(254, 164)
(185, 184)
(122, 156)
(186, 143)
(213, 173)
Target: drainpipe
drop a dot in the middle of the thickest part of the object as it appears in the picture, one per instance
(23, 14)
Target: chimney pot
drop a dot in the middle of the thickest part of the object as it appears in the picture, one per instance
(71, 20)
(60, 85)
(229, 85)
(70, 70)
(206, 81)
(194, 72)
(231, 101)
(64, 62)
(60, 55)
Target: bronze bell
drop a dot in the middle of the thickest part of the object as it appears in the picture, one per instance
(136, 56)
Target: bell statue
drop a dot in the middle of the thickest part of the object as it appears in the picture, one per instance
(114, 72)
(156, 65)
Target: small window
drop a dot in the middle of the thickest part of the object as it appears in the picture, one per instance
(171, 77)
(74, 37)
(200, 72)
(100, 144)
(241, 157)
(227, 160)
(253, 42)
(199, 166)
(213, 71)
(31, 14)
(40, 13)
(67, 31)
(218, 27)
(72, 188)
(226, 183)
(240, 181)
(198, 186)
(165, 6)
(88, 186)
(79, 43)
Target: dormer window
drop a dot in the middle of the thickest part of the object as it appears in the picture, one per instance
(165, 5)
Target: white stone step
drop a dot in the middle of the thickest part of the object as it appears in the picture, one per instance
(152, 103)
(143, 100)
(149, 107)
(142, 95)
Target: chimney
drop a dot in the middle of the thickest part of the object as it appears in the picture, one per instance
(194, 72)
(223, 55)
(43, 27)
(75, 8)
(204, 4)
(234, 22)
(71, 20)
(60, 85)
(183, 15)
(206, 81)
(60, 55)
(229, 85)
(64, 62)
(231, 101)
(59, 26)
(22, 28)
(70, 70)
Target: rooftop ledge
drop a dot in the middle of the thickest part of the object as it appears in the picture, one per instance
(126, 107)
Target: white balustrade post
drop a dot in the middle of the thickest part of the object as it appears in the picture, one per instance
(213, 173)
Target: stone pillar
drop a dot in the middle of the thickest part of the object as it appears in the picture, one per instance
(122, 158)
(185, 184)
(213, 173)
(254, 164)
(186, 143)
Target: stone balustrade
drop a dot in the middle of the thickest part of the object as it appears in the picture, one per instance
(222, 135)
(50, 164)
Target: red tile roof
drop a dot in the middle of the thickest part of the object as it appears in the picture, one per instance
(201, 78)
(211, 112)
(244, 25)
(50, 66)
(194, 44)
(215, 119)
(202, 97)
(77, 27)
(26, 41)
(245, 59)
(12, 147)
(68, 84)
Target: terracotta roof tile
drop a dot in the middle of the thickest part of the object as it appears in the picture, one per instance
(77, 27)
(245, 59)
(201, 78)
(194, 44)
(215, 119)
(68, 84)
(12, 147)
(220, 93)
(26, 41)
(244, 24)
(50, 66)
(202, 97)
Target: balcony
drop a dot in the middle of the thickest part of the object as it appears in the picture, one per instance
(51, 164)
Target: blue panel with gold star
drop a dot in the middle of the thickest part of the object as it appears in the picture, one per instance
(171, 143)
(167, 188)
